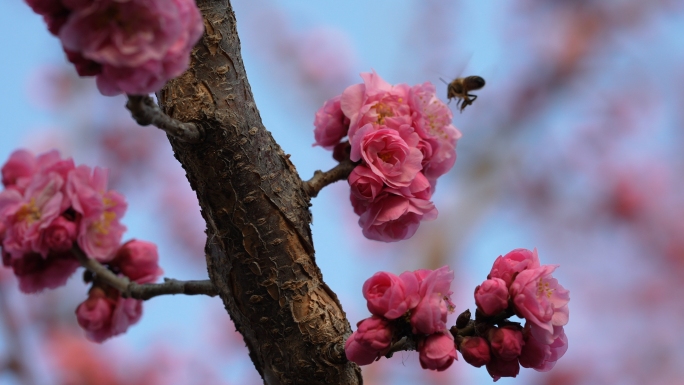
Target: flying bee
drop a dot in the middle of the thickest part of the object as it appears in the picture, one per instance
(460, 87)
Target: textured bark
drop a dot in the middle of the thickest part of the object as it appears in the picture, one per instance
(260, 254)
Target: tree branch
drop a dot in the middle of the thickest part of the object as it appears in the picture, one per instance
(146, 112)
(146, 291)
(321, 179)
(259, 248)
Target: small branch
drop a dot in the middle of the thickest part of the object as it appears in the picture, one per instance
(102, 273)
(146, 291)
(145, 111)
(404, 344)
(171, 286)
(321, 179)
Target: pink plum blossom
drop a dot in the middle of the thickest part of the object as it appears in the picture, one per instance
(36, 273)
(430, 314)
(26, 216)
(365, 187)
(509, 265)
(388, 154)
(104, 315)
(437, 351)
(432, 119)
(331, 124)
(100, 230)
(22, 165)
(140, 44)
(138, 260)
(95, 313)
(475, 351)
(541, 356)
(58, 236)
(370, 341)
(373, 102)
(404, 137)
(395, 214)
(492, 296)
(506, 342)
(539, 299)
(390, 296)
(18, 169)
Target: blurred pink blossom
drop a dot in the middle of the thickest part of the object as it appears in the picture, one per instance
(506, 342)
(58, 236)
(538, 354)
(101, 209)
(330, 124)
(138, 260)
(36, 273)
(437, 351)
(104, 315)
(475, 351)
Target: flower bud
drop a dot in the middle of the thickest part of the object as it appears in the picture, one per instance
(369, 341)
(331, 124)
(509, 265)
(437, 351)
(390, 296)
(95, 313)
(59, 235)
(507, 342)
(138, 260)
(475, 351)
(492, 296)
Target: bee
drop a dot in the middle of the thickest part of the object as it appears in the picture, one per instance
(460, 87)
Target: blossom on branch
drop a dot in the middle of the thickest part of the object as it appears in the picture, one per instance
(518, 285)
(131, 46)
(106, 313)
(403, 140)
(412, 305)
(49, 209)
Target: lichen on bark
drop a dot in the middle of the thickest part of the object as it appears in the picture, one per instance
(259, 249)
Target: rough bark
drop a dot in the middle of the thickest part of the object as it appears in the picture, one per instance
(260, 254)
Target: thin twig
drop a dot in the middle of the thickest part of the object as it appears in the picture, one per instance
(321, 179)
(405, 343)
(146, 291)
(145, 111)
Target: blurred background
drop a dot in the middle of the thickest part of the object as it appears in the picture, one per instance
(573, 147)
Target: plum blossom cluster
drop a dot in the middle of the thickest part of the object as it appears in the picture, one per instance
(518, 284)
(402, 139)
(49, 208)
(131, 46)
(414, 305)
(106, 313)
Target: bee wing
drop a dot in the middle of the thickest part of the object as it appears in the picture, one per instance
(461, 66)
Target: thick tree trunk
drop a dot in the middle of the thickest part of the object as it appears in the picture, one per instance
(259, 248)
